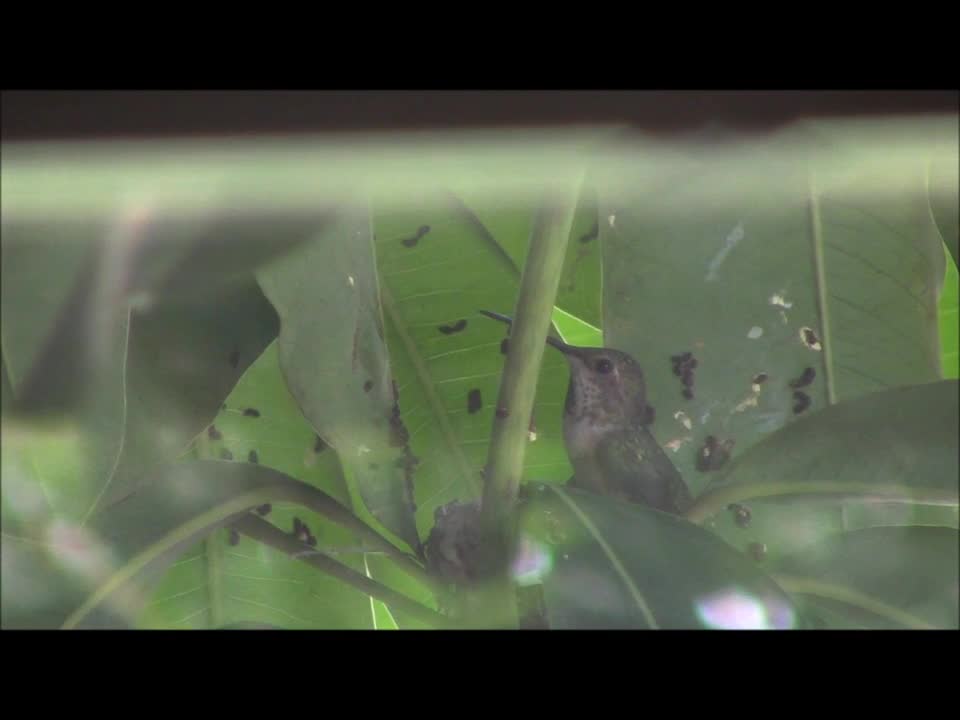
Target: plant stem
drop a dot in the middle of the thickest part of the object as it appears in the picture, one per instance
(324, 505)
(518, 385)
(268, 534)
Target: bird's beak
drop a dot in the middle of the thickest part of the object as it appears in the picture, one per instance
(568, 350)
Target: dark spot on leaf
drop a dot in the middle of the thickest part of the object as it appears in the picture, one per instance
(687, 378)
(373, 466)
(311, 541)
(806, 377)
(504, 344)
(759, 379)
(649, 415)
(368, 386)
(713, 455)
(741, 514)
(264, 509)
(502, 413)
(758, 551)
(474, 401)
(226, 454)
(688, 393)
(398, 431)
(396, 392)
(252, 457)
(251, 412)
(319, 445)
(451, 329)
(415, 238)
(300, 530)
(591, 234)
(801, 401)
(213, 433)
(683, 366)
(234, 358)
(234, 538)
(810, 339)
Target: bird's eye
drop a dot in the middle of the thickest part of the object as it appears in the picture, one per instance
(603, 366)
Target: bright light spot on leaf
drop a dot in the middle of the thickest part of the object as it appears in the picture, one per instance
(22, 497)
(78, 550)
(532, 563)
(729, 243)
(351, 280)
(778, 300)
(809, 338)
(612, 219)
(682, 418)
(755, 332)
(735, 610)
(750, 401)
(677, 443)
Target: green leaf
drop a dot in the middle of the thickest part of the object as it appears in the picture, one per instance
(143, 534)
(879, 578)
(137, 385)
(949, 317)
(580, 291)
(509, 224)
(182, 258)
(442, 349)
(48, 285)
(261, 423)
(889, 452)
(36, 589)
(709, 260)
(181, 363)
(605, 564)
(334, 357)
(944, 186)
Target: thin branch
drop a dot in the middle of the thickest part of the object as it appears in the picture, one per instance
(322, 504)
(263, 531)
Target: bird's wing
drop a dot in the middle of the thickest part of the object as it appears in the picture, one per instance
(640, 470)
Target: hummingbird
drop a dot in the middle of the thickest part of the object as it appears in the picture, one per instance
(606, 430)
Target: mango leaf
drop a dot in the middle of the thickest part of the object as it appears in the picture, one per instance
(334, 357)
(129, 546)
(36, 590)
(137, 383)
(185, 257)
(606, 565)
(261, 423)
(880, 578)
(509, 225)
(894, 449)
(814, 268)
(91, 266)
(63, 355)
(438, 266)
(48, 288)
(949, 316)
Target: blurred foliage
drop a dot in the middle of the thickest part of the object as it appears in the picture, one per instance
(196, 331)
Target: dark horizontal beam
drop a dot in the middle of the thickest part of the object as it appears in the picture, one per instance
(74, 114)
